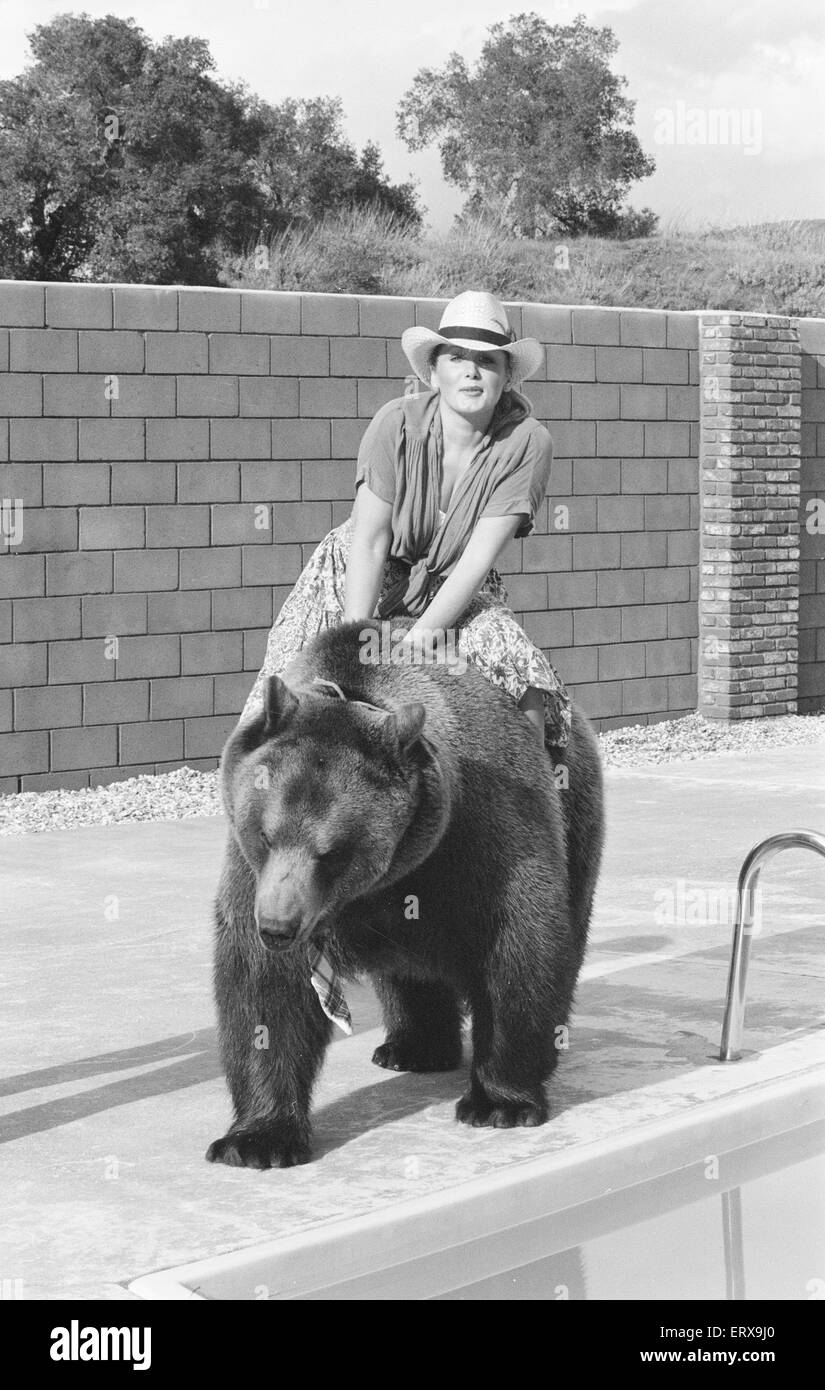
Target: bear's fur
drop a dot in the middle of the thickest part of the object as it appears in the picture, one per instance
(421, 787)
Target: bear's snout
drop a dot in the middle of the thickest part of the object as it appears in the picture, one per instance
(277, 934)
(285, 906)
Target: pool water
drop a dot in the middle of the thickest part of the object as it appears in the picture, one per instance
(761, 1239)
(748, 1224)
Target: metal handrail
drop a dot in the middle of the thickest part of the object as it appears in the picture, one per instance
(731, 1048)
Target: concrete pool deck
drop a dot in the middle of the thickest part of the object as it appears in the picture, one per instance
(112, 1088)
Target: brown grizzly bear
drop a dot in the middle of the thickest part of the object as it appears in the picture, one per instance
(412, 830)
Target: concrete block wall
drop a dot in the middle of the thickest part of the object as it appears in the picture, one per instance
(614, 599)
(176, 454)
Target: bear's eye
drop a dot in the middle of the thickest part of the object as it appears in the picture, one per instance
(264, 840)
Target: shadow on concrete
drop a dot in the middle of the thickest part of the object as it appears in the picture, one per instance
(372, 1107)
(204, 1065)
(625, 945)
(123, 1060)
(369, 1107)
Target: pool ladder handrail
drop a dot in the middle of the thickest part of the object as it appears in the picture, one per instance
(734, 1020)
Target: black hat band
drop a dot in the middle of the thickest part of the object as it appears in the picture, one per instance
(483, 335)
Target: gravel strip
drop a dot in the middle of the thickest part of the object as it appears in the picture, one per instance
(187, 792)
(691, 737)
(169, 796)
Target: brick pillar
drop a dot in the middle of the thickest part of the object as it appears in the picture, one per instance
(750, 374)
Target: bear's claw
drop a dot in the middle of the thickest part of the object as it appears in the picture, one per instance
(259, 1148)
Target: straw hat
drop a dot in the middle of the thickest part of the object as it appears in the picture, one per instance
(478, 321)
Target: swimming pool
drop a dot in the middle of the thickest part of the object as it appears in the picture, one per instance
(724, 1201)
(759, 1234)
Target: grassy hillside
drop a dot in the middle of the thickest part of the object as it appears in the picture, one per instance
(776, 267)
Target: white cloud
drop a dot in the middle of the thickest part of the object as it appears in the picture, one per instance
(762, 62)
(705, 37)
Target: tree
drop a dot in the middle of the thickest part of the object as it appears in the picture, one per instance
(184, 174)
(53, 160)
(307, 168)
(537, 132)
(121, 159)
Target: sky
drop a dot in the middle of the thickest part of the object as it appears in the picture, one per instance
(730, 94)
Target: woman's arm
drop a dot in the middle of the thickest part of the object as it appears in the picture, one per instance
(369, 547)
(489, 537)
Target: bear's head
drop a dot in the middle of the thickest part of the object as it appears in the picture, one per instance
(320, 793)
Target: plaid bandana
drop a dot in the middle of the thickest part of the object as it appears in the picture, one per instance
(326, 986)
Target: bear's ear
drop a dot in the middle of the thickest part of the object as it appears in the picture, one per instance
(279, 706)
(402, 728)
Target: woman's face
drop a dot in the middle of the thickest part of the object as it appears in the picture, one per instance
(471, 381)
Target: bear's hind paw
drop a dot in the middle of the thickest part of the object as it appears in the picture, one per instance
(269, 1147)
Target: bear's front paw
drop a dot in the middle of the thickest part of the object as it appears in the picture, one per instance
(270, 1146)
(398, 1055)
(477, 1110)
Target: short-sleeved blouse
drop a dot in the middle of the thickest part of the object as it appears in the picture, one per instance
(519, 490)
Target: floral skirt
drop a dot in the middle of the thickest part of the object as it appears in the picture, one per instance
(488, 633)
